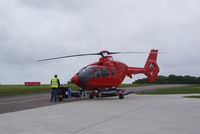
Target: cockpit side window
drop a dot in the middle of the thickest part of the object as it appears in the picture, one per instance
(105, 72)
(97, 73)
(113, 71)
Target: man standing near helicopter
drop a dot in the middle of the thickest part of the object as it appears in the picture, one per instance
(55, 84)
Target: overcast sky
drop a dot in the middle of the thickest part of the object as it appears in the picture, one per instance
(35, 29)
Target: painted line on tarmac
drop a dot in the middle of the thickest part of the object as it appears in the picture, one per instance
(14, 102)
(3, 103)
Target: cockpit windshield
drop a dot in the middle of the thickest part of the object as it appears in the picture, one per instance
(86, 72)
(93, 72)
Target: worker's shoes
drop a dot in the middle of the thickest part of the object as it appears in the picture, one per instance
(53, 100)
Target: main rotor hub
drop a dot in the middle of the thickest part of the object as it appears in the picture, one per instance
(104, 53)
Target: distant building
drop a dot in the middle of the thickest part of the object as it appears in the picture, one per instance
(32, 83)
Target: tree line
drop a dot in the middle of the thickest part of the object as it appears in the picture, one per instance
(172, 79)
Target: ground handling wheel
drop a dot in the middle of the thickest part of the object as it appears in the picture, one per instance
(121, 96)
(60, 97)
(91, 96)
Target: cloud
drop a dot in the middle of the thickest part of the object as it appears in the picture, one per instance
(37, 29)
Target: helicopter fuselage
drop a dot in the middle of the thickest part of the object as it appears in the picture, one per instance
(105, 73)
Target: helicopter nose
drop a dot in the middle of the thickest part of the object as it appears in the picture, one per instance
(75, 79)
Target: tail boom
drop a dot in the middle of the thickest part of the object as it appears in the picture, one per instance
(151, 68)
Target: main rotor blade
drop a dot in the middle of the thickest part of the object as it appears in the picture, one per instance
(69, 56)
(134, 52)
(96, 54)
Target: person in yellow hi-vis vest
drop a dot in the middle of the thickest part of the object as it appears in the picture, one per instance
(55, 84)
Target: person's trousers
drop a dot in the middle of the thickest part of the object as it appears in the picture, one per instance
(54, 94)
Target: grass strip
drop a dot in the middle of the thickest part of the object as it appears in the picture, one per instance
(181, 90)
(11, 90)
(193, 96)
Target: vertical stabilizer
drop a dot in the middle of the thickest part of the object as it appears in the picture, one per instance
(151, 66)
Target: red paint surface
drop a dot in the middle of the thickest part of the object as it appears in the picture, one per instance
(150, 69)
(32, 83)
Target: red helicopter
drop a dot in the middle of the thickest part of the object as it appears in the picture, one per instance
(107, 74)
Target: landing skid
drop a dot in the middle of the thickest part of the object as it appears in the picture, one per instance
(106, 93)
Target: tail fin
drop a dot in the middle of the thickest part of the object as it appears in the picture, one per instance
(151, 66)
